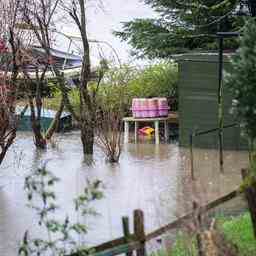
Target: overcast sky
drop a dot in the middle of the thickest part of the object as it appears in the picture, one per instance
(102, 20)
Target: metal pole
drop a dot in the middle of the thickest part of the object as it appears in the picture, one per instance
(220, 103)
(191, 156)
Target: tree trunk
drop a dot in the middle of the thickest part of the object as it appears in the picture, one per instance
(250, 194)
(87, 138)
(56, 121)
(6, 146)
(40, 141)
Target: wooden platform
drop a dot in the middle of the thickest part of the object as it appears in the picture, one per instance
(171, 118)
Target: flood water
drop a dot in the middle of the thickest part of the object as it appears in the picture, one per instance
(148, 177)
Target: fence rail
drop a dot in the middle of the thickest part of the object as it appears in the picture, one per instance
(136, 242)
(195, 134)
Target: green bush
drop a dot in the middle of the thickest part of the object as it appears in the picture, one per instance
(239, 231)
(54, 102)
(158, 80)
(241, 82)
(121, 85)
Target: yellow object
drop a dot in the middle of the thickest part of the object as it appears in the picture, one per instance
(147, 130)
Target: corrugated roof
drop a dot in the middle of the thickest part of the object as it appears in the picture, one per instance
(58, 59)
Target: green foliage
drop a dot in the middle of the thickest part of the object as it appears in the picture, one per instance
(62, 234)
(242, 80)
(121, 85)
(181, 26)
(184, 246)
(114, 89)
(239, 231)
(54, 101)
(159, 80)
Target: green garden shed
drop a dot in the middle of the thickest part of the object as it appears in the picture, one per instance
(198, 102)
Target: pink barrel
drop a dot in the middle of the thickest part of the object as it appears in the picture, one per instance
(163, 107)
(153, 108)
(135, 107)
(139, 108)
(135, 104)
(144, 107)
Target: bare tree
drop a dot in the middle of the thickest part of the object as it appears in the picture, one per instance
(86, 117)
(10, 59)
(109, 132)
(37, 15)
(111, 107)
(7, 134)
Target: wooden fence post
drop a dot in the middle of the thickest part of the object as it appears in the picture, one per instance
(139, 231)
(198, 226)
(250, 194)
(126, 231)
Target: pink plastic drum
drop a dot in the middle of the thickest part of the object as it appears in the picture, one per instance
(153, 108)
(156, 107)
(163, 107)
(139, 108)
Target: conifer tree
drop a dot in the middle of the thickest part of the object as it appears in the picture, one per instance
(242, 81)
(183, 26)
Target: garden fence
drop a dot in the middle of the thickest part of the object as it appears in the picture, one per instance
(136, 241)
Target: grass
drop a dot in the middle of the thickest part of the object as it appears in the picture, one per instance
(238, 230)
(184, 246)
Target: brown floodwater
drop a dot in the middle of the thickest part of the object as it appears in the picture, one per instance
(154, 178)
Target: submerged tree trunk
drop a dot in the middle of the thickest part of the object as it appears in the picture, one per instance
(56, 121)
(40, 141)
(87, 138)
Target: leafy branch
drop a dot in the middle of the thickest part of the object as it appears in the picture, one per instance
(61, 234)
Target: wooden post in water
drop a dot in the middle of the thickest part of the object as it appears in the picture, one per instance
(250, 194)
(139, 231)
(126, 231)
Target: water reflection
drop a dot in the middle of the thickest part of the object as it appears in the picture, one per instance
(152, 178)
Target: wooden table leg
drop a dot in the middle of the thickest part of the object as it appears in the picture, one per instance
(166, 131)
(126, 132)
(136, 131)
(157, 137)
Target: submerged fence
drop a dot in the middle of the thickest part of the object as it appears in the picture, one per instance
(136, 241)
(195, 134)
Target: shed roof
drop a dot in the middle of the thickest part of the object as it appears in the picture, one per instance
(203, 57)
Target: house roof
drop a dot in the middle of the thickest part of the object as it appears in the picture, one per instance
(69, 64)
